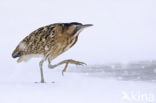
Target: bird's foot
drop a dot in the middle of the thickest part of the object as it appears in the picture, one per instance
(67, 62)
(71, 62)
(44, 82)
(40, 82)
(76, 62)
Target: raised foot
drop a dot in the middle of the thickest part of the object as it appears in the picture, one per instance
(76, 62)
(71, 62)
(67, 62)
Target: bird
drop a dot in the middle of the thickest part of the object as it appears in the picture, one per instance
(49, 42)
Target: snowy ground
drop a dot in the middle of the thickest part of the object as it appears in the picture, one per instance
(128, 83)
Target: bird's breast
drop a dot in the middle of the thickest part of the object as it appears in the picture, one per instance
(69, 45)
(61, 47)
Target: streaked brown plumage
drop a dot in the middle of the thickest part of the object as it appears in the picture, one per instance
(49, 42)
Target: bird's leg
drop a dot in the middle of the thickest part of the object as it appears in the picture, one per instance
(41, 71)
(66, 62)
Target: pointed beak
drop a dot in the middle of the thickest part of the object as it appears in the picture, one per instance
(86, 25)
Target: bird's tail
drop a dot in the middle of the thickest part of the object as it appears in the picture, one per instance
(17, 52)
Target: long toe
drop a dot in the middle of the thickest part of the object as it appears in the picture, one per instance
(80, 63)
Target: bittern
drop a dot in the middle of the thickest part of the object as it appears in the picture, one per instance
(49, 42)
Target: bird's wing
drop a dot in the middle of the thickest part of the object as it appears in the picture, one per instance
(38, 42)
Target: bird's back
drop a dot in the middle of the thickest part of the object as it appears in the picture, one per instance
(38, 42)
(45, 41)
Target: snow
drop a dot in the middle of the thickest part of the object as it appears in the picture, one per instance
(87, 84)
(119, 50)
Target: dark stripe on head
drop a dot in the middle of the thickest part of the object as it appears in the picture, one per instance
(72, 23)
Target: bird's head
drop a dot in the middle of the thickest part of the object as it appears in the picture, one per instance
(74, 28)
